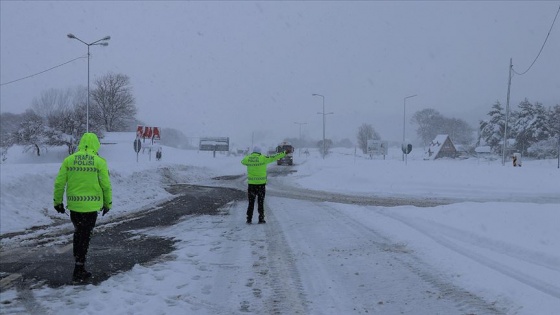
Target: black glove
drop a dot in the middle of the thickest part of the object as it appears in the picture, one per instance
(105, 210)
(60, 208)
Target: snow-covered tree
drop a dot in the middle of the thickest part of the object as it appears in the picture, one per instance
(8, 123)
(492, 129)
(529, 125)
(532, 126)
(554, 121)
(65, 127)
(548, 148)
(544, 149)
(31, 132)
(65, 114)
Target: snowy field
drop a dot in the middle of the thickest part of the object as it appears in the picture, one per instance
(495, 249)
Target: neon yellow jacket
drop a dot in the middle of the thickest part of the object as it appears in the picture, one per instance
(85, 177)
(256, 166)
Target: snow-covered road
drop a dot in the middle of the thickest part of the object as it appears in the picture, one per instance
(310, 258)
(323, 251)
(348, 266)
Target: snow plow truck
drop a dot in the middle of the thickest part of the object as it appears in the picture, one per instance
(289, 158)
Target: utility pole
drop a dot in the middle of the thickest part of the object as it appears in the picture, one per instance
(504, 147)
(300, 143)
(404, 121)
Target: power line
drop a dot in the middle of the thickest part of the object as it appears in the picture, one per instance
(29, 76)
(542, 47)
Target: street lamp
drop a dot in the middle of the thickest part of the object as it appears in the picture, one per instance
(100, 42)
(404, 121)
(300, 123)
(324, 114)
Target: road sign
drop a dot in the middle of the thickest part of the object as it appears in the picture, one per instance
(137, 145)
(406, 148)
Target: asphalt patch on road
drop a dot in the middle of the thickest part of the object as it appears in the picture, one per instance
(116, 246)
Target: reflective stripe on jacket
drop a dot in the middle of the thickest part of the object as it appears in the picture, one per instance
(85, 177)
(256, 166)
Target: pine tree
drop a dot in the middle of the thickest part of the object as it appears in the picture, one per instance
(530, 125)
(492, 130)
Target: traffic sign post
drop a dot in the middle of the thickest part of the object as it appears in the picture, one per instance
(137, 147)
(406, 149)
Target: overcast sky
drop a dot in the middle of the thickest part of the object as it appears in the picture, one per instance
(239, 68)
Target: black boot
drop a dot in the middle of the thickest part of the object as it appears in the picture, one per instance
(261, 220)
(249, 221)
(80, 274)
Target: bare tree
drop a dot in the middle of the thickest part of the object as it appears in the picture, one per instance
(46, 103)
(328, 145)
(114, 102)
(64, 112)
(459, 131)
(366, 132)
(429, 122)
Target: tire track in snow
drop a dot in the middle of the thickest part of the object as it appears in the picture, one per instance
(520, 253)
(288, 296)
(446, 293)
(450, 241)
(266, 277)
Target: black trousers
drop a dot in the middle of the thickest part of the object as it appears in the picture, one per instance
(84, 222)
(256, 192)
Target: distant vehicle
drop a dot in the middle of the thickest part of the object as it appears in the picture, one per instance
(289, 158)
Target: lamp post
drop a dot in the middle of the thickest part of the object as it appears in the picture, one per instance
(324, 114)
(300, 123)
(100, 42)
(404, 120)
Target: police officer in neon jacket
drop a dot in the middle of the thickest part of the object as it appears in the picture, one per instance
(256, 178)
(85, 177)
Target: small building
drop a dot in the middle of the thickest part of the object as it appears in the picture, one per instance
(484, 150)
(441, 147)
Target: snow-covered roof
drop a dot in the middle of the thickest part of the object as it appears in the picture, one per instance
(435, 147)
(440, 139)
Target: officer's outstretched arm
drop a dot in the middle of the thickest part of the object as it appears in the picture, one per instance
(279, 156)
